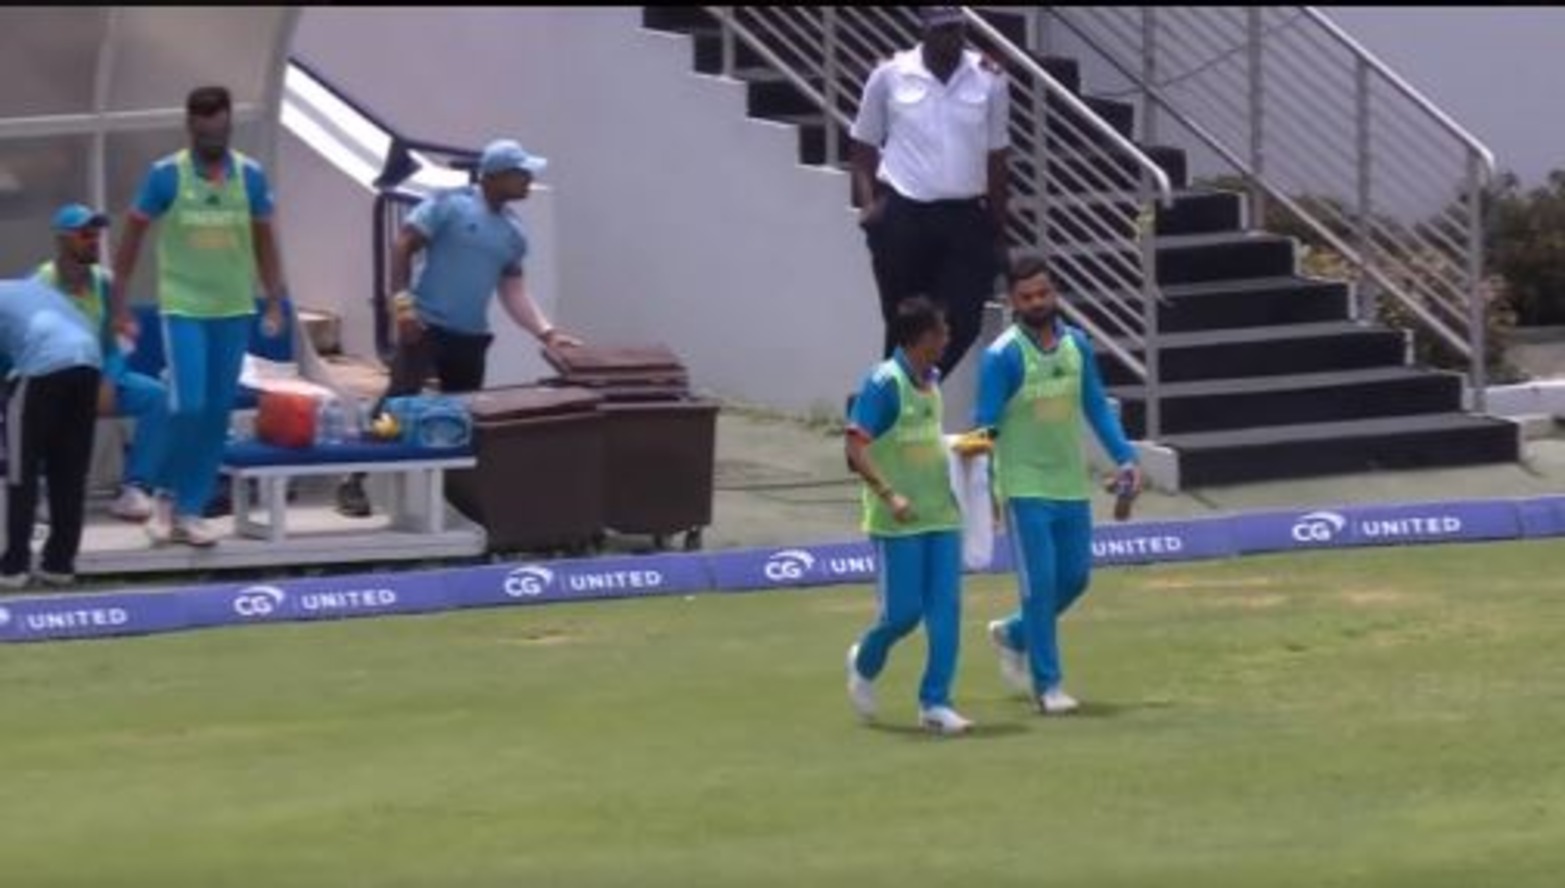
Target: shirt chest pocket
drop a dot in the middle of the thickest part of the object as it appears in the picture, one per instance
(969, 106)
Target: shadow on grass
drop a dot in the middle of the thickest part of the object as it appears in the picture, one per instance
(1111, 709)
(980, 731)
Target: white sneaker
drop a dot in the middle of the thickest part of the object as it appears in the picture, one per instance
(195, 532)
(944, 720)
(861, 691)
(1056, 702)
(1013, 663)
(13, 581)
(160, 525)
(132, 505)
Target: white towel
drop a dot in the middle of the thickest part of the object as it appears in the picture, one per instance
(970, 484)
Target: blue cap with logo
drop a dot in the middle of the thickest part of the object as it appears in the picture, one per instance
(504, 155)
(75, 217)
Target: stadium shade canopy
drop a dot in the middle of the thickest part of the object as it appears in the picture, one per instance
(89, 96)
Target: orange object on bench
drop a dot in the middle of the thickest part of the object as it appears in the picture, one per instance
(286, 419)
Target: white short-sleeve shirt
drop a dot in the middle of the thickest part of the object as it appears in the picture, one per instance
(934, 137)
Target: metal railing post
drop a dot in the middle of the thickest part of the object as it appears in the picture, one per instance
(1149, 108)
(726, 21)
(1477, 297)
(1146, 231)
(1257, 110)
(1363, 167)
(829, 72)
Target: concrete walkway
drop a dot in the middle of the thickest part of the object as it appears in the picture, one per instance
(783, 481)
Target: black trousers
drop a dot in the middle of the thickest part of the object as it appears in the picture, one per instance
(945, 250)
(50, 422)
(457, 360)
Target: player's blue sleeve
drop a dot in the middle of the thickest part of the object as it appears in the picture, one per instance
(875, 410)
(259, 190)
(1095, 404)
(999, 377)
(157, 191)
(428, 217)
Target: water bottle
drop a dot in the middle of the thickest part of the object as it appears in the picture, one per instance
(328, 422)
(1124, 495)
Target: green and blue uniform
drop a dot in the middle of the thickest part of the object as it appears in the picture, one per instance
(920, 562)
(137, 396)
(206, 294)
(1036, 401)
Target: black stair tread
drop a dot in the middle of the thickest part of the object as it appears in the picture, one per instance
(1216, 239)
(1228, 336)
(1123, 197)
(1330, 431)
(768, 74)
(1240, 285)
(1187, 241)
(1259, 384)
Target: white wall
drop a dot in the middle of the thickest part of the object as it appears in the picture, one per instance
(676, 219)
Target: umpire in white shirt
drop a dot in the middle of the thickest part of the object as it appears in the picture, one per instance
(929, 169)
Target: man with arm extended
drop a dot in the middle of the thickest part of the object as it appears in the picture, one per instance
(473, 245)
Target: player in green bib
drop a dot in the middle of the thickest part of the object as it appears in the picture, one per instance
(894, 443)
(1037, 387)
(213, 206)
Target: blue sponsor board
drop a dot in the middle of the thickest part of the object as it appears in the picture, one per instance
(349, 595)
(1542, 516)
(544, 582)
(793, 566)
(1440, 522)
(1147, 542)
(89, 616)
(102, 615)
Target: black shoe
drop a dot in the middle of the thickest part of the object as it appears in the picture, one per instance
(220, 505)
(351, 500)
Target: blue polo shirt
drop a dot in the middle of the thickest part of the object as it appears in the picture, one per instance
(879, 402)
(1000, 378)
(41, 332)
(161, 185)
(471, 247)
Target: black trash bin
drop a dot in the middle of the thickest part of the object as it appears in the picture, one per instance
(659, 442)
(538, 485)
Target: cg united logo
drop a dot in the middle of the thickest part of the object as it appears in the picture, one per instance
(528, 582)
(1318, 527)
(259, 601)
(789, 564)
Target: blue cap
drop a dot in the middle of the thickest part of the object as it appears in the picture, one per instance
(75, 217)
(941, 16)
(504, 155)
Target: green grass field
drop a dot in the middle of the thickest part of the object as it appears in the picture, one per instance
(1388, 717)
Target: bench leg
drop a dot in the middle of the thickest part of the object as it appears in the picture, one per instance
(245, 524)
(274, 491)
(435, 503)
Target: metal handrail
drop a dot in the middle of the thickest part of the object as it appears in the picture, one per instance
(1101, 127)
(1435, 272)
(1082, 191)
(1407, 89)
